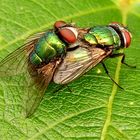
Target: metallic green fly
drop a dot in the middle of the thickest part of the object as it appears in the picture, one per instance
(61, 55)
(94, 45)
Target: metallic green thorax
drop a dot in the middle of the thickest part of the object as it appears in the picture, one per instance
(48, 47)
(103, 35)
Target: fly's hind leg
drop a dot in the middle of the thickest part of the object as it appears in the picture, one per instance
(107, 72)
(123, 59)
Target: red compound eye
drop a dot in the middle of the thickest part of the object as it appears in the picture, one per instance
(59, 24)
(66, 32)
(69, 34)
(125, 33)
(114, 23)
(117, 24)
(127, 38)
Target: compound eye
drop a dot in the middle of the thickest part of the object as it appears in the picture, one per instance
(124, 32)
(114, 23)
(68, 34)
(127, 38)
(59, 24)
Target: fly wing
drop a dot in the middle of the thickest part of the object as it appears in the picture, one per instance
(37, 82)
(78, 62)
(17, 70)
(15, 62)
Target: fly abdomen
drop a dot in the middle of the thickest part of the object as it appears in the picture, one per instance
(103, 35)
(48, 47)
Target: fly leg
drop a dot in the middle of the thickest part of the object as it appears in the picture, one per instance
(123, 59)
(69, 88)
(107, 72)
(58, 89)
(61, 87)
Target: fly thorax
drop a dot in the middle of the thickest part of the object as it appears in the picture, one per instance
(103, 35)
(116, 37)
(91, 39)
(48, 47)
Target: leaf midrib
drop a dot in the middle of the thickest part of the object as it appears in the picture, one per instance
(110, 101)
(118, 68)
(114, 88)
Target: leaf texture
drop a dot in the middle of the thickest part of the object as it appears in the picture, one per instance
(94, 108)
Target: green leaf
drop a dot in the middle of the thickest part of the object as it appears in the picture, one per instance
(95, 109)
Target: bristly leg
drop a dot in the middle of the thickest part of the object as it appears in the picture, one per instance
(107, 72)
(123, 59)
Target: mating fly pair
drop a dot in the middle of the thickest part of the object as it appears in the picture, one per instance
(61, 55)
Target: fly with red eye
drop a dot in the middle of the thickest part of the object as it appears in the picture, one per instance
(96, 44)
(61, 55)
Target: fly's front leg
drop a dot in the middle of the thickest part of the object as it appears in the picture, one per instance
(123, 59)
(107, 72)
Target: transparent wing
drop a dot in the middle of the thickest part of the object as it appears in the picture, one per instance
(33, 81)
(14, 63)
(78, 62)
(37, 83)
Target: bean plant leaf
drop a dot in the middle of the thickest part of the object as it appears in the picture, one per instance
(89, 108)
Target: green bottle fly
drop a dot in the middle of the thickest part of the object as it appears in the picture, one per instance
(61, 55)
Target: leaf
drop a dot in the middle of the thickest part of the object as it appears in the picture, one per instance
(95, 108)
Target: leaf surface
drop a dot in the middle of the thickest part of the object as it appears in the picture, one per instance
(95, 109)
